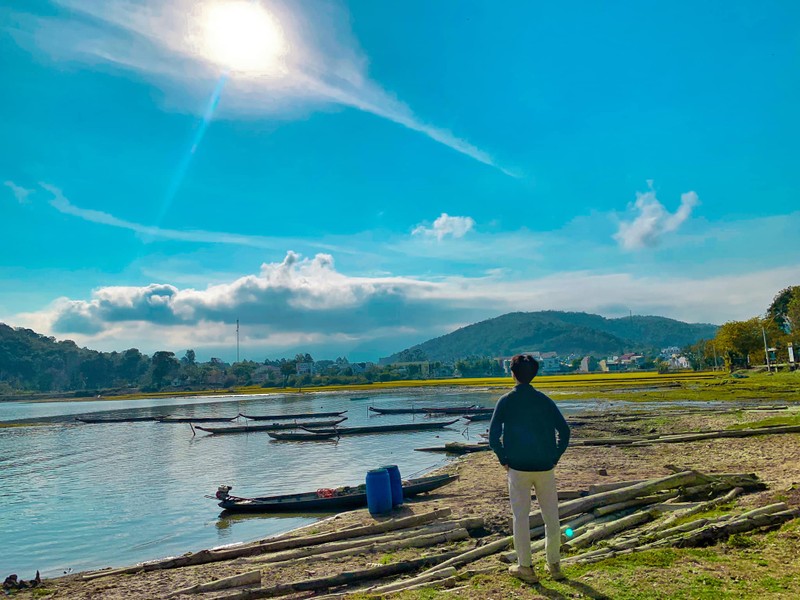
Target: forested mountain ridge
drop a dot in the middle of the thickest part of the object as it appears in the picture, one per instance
(556, 331)
(29, 360)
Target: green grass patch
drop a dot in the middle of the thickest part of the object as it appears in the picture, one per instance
(777, 421)
(387, 559)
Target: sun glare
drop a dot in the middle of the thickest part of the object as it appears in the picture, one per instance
(242, 36)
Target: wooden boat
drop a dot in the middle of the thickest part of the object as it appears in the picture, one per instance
(197, 419)
(292, 416)
(114, 419)
(382, 428)
(396, 411)
(301, 436)
(458, 410)
(479, 417)
(324, 500)
(269, 427)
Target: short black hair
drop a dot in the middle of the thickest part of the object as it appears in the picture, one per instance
(524, 367)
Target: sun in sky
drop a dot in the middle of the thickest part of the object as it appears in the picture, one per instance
(241, 36)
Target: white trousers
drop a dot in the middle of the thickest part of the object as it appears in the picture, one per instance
(519, 490)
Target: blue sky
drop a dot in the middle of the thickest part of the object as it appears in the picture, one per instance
(355, 177)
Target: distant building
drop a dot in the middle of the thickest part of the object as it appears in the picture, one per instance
(548, 362)
(361, 367)
(264, 373)
(305, 368)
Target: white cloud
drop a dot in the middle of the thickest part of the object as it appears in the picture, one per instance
(319, 62)
(445, 225)
(20, 193)
(653, 221)
(307, 303)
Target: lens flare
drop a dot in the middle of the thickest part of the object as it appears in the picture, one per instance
(569, 533)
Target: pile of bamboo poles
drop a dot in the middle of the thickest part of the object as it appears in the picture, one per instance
(633, 516)
(626, 516)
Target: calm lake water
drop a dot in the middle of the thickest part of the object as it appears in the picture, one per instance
(84, 496)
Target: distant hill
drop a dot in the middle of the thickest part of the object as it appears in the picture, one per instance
(555, 331)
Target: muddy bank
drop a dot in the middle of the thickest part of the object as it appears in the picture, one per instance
(481, 491)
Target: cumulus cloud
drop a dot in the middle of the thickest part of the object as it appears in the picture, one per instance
(653, 220)
(318, 61)
(303, 303)
(445, 225)
(301, 296)
(20, 193)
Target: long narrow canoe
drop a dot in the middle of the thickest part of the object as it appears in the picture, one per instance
(360, 398)
(382, 428)
(114, 419)
(268, 427)
(457, 410)
(478, 417)
(197, 419)
(301, 436)
(326, 500)
(397, 411)
(292, 416)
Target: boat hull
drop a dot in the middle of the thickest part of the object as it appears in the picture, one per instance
(422, 426)
(270, 427)
(292, 416)
(312, 502)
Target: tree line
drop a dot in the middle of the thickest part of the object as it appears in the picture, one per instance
(32, 362)
(741, 344)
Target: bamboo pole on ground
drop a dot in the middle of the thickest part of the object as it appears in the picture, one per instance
(429, 530)
(321, 583)
(702, 507)
(604, 531)
(268, 545)
(477, 553)
(420, 541)
(645, 488)
(241, 580)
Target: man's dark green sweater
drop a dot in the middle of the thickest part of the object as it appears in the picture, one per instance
(523, 430)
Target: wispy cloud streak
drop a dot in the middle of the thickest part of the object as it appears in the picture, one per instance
(20, 193)
(63, 205)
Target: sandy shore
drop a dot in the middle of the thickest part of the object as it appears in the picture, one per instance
(481, 491)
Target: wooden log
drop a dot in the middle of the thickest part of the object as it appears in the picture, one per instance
(372, 541)
(268, 545)
(250, 578)
(447, 582)
(645, 488)
(406, 583)
(345, 578)
(763, 510)
(613, 485)
(714, 533)
(702, 507)
(618, 506)
(727, 433)
(420, 541)
(717, 487)
(477, 553)
(609, 529)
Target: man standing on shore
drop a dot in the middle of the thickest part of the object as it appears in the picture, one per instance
(529, 434)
